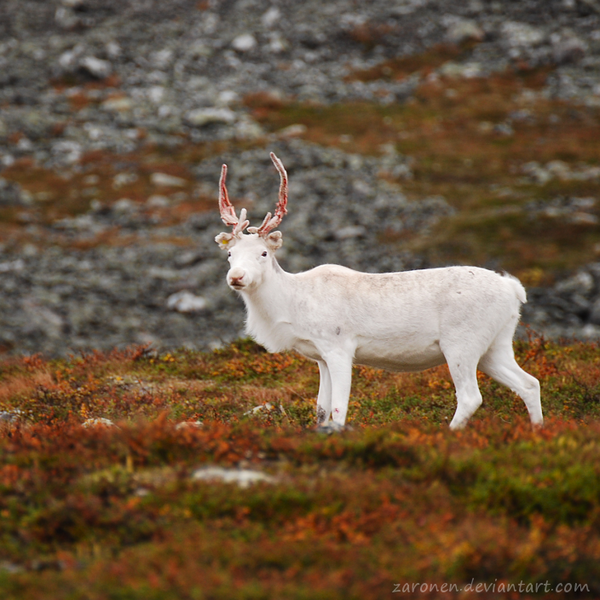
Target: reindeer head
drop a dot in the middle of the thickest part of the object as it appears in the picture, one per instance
(249, 254)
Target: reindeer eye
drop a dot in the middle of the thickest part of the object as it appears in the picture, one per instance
(264, 253)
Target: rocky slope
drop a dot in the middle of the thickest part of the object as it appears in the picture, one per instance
(79, 77)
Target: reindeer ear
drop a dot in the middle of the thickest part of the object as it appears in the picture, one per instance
(274, 240)
(225, 240)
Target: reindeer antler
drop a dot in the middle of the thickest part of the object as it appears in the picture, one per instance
(227, 211)
(239, 224)
(269, 223)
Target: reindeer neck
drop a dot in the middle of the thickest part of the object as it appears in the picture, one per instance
(273, 292)
(268, 307)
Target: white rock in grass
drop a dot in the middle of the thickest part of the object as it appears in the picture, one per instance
(189, 425)
(10, 417)
(267, 406)
(99, 422)
(243, 477)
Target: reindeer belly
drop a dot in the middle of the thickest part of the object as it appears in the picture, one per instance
(307, 348)
(399, 357)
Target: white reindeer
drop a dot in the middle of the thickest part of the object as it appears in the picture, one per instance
(406, 321)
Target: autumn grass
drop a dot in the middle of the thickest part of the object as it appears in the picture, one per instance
(115, 512)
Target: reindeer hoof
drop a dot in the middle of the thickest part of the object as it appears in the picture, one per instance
(332, 427)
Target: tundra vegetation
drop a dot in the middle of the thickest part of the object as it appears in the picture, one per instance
(115, 511)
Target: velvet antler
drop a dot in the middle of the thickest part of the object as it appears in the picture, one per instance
(227, 211)
(239, 224)
(271, 222)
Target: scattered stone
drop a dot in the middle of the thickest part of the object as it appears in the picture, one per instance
(267, 406)
(43, 319)
(163, 58)
(10, 418)
(158, 201)
(581, 282)
(570, 209)
(244, 478)
(346, 233)
(244, 42)
(12, 265)
(189, 258)
(582, 218)
(595, 313)
(11, 568)
(122, 179)
(99, 422)
(98, 68)
(518, 36)
(67, 152)
(11, 194)
(189, 425)
(567, 47)
(65, 18)
(277, 43)
(465, 70)
(271, 17)
(558, 169)
(292, 131)
(124, 205)
(464, 30)
(164, 180)
(121, 104)
(206, 116)
(186, 302)
(570, 308)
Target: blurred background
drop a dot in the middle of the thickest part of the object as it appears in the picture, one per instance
(416, 133)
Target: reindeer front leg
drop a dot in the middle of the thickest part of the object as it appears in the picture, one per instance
(339, 365)
(324, 398)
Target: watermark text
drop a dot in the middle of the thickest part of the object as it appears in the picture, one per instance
(495, 587)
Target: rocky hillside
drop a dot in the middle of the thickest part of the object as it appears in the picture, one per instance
(115, 117)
